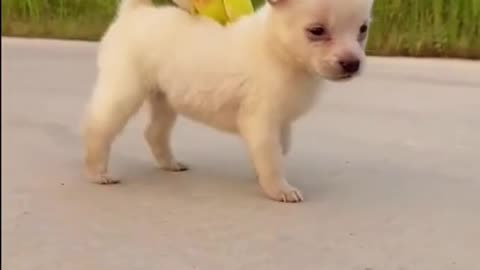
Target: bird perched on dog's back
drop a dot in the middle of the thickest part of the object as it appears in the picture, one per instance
(222, 11)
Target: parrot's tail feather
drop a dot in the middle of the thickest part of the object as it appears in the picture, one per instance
(128, 5)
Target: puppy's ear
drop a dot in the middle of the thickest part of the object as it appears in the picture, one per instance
(276, 2)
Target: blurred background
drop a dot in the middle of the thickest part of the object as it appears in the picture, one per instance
(423, 28)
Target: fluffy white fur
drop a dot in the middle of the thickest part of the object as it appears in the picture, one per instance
(252, 78)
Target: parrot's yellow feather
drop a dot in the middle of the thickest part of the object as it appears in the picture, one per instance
(222, 11)
(237, 8)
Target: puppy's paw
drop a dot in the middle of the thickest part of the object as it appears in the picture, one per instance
(174, 166)
(284, 193)
(104, 180)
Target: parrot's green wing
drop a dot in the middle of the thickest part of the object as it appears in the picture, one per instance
(238, 8)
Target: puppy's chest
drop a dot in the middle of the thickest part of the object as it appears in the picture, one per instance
(296, 100)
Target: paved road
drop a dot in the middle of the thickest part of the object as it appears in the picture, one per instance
(389, 166)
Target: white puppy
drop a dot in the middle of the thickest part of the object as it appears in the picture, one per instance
(252, 78)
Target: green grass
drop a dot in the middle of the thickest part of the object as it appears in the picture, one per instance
(426, 28)
(443, 28)
(69, 19)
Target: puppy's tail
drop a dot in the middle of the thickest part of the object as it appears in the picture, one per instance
(129, 5)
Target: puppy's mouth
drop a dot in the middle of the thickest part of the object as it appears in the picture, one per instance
(332, 74)
(341, 77)
(346, 76)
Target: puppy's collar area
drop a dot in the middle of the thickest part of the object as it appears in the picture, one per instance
(222, 11)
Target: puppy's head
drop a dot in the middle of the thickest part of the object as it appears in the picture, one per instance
(326, 37)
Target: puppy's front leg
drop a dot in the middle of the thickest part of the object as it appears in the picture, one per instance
(264, 143)
(285, 139)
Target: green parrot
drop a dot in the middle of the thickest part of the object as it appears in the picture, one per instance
(222, 11)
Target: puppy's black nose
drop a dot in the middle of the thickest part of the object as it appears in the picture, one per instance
(350, 66)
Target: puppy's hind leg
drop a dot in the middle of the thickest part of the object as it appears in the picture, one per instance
(158, 132)
(114, 101)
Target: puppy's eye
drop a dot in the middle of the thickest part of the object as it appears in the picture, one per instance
(363, 29)
(363, 32)
(316, 33)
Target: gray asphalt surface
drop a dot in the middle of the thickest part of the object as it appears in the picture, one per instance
(388, 163)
